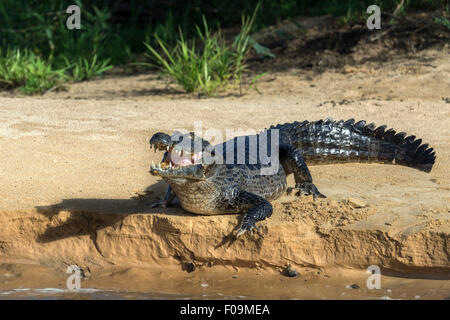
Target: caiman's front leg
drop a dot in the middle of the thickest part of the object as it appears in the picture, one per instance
(166, 201)
(292, 162)
(260, 209)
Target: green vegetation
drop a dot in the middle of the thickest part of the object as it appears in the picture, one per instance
(34, 37)
(444, 21)
(28, 71)
(34, 40)
(207, 67)
(83, 69)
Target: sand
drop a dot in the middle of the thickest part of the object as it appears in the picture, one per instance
(75, 187)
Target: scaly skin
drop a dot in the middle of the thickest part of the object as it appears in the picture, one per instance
(241, 188)
(328, 141)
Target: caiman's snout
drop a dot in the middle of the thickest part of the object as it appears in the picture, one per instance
(161, 141)
(177, 152)
(178, 160)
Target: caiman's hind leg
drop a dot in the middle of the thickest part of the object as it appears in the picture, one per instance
(292, 162)
(260, 209)
(166, 201)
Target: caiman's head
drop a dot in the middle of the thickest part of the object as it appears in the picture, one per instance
(182, 157)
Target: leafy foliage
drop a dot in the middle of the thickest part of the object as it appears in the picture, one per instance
(114, 31)
(26, 70)
(207, 67)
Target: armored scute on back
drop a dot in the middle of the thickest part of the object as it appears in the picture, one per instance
(215, 188)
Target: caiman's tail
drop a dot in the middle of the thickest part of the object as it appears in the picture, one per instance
(329, 141)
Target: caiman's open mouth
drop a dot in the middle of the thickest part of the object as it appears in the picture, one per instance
(176, 162)
(175, 158)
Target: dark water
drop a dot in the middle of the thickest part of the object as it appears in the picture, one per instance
(96, 294)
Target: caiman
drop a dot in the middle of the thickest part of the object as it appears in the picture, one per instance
(240, 186)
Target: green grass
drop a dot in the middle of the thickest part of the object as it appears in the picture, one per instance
(85, 69)
(32, 74)
(113, 33)
(207, 65)
(444, 20)
(46, 51)
(24, 69)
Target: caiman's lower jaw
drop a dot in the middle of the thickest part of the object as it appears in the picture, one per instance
(192, 172)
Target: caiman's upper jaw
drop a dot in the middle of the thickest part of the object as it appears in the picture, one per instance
(174, 157)
(160, 141)
(176, 154)
(159, 147)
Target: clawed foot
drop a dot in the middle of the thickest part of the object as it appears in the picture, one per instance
(246, 226)
(306, 188)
